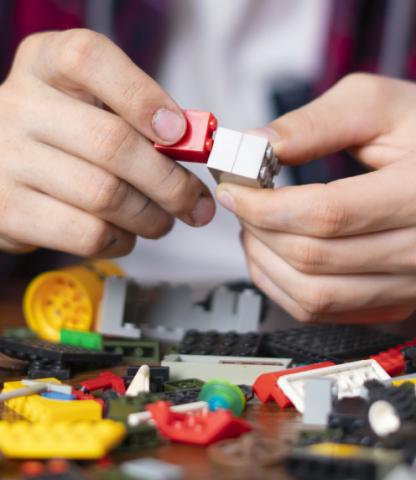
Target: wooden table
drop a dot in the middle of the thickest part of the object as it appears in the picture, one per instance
(268, 420)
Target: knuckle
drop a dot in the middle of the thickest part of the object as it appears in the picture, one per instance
(316, 300)
(77, 47)
(96, 238)
(29, 44)
(368, 86)
(330, 218)
(108, 194)
(135, 94)
(109, 140)
(307, 256)
(177, 186)
(159, 228)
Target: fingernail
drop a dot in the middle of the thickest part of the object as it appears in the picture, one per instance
(226, 200)
(203, 211)
(267, 132)
(168, 125)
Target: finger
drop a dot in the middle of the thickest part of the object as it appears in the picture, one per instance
(31, 217)
(391, 251)
(90, 188)
(356, 110)
(327, 294)
(376, 201)
(113, 145)
(83, 59)
(364, 316)
(10, 246)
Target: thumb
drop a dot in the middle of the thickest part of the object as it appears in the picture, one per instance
(349, 114)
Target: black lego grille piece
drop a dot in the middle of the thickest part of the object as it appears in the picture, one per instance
(337, 343)
(216, 343)
(37, 350)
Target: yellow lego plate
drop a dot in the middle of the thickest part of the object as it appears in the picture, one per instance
(40, 409)
(82, 440)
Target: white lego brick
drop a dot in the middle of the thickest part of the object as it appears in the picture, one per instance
(201, 406)
(319, 395)
(140, 382)
(250, 156)
(152, 469)
(237, 370)
(349, 378)
(224, 150)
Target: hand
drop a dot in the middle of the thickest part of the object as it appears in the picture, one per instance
(80, 178)
(345, 251)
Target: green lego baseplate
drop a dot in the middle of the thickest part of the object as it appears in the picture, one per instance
(134, 350)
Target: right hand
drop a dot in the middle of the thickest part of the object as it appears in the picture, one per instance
(79, 178)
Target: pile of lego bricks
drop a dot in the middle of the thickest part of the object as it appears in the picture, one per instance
(359, 422)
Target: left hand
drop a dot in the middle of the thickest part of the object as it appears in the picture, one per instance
(344, 251)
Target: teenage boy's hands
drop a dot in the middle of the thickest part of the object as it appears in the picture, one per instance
(78, 177)
(345, 251)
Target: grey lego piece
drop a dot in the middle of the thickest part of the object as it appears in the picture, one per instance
(319, 395)
(243, 158)
(113, 321)
(401, 472)
(152, 469)
(238, 370)
(166, 311)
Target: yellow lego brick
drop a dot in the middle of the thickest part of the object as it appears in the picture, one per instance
(83, 440)
(397, 383)
(40, 409)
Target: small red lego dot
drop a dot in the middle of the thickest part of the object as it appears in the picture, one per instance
(58, 466)
(32, 469)
(196, 144)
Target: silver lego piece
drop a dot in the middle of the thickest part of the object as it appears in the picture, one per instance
(243, 158)
(113, 320)
(165, 312)
(319, 396)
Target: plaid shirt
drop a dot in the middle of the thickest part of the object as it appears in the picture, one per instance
(355, 39)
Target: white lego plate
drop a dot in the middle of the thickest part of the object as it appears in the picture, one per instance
(349, 378)
(238, 370)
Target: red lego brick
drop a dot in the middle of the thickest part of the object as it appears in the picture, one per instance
(266, 388)
(199, 428)
(392, 361)
(104, 381)
(196, 144)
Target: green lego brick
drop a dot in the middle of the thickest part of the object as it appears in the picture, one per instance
(134, 350)
(120, 408)
(187, 384)
(139, 437)
(19, 333)
(112, 473)
(90, 340)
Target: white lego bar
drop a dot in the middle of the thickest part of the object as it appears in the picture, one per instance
(238, 370)
(242, 158)
(152, 469)
(201, 406)
(349, 378)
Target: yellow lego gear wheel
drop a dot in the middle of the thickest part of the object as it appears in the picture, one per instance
(66, 298)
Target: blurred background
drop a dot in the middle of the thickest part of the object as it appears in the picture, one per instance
(246, 61)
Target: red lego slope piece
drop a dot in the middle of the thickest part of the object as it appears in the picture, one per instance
(104, 381)
(199, 428)
(391, 360)
(266, 388)
(196, 144)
